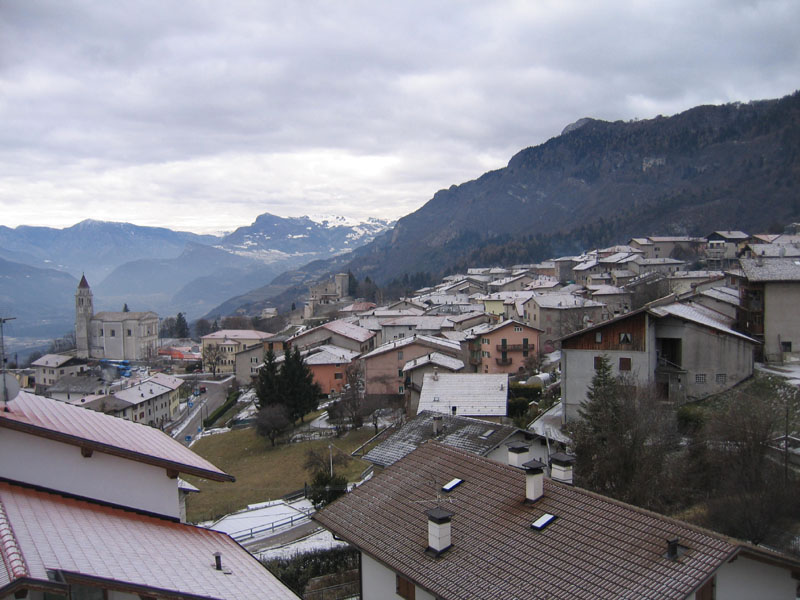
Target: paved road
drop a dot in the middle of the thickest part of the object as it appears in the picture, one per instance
(204, 405)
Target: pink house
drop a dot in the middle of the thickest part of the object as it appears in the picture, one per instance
(504, 347)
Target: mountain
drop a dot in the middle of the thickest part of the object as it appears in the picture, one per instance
(735, 166)
(300, 240)
(92, 247)
(40, 300)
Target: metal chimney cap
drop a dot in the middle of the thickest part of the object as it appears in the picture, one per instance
(439, 515)
(534, 466)
(562, 458)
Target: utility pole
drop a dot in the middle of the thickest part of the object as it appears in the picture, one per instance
(3, 321)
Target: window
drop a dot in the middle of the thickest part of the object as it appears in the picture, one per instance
(598, 360)
(624, 364)
(624, 338)
(401, 390)
(700, 378)
(130, 332)
(404, 588)
(399, 355)
(722, 378)
(399, 372)
(113, 332)
(484, 340)
(598, 337)
(338, 375)
(517, 328)
(786, 346)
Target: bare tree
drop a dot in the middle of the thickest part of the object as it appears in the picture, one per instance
(272, 420)
(352, 402)
(322, 459)
(212, 357)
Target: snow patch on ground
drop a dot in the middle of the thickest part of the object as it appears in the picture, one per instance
(321, 540)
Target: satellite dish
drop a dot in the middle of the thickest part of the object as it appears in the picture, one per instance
(9, 387)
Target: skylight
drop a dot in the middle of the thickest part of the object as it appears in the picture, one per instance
(485, 435)
(452, 484)
(543, 521)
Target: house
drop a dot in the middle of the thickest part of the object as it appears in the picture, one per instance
(248, 361)
(668, 246)
(686, 350)
(394, 329)
(228, 342)
(112, 335)
(383, 367)
(770, 294)
(51, 367)
(342, 333)
(616, 301)
(91, 507)
(560, 313)
(722, 247)
(416, 369)
(154, 401)
(502, 347)
(688, 281)
(663, 265)
(328, 365)
(467, 394)
(76, 388)
(472, 435)
(447, 524)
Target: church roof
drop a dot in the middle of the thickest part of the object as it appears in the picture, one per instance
(83, 283)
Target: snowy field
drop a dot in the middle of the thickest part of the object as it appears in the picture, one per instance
(321, 540)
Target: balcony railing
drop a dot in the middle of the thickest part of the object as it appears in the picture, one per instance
(503, 362)
(512, 347)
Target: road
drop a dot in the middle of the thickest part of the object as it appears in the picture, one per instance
(203, 405)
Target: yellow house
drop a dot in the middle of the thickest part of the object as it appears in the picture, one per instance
(226, 343)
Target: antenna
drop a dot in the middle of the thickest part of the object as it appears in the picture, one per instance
(3, 375)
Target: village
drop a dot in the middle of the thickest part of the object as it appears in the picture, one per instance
(468, 394)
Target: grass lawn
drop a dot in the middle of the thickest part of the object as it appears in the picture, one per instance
(262, 472)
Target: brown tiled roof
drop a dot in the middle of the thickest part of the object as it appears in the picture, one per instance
(595, 548)
(75, 425)
(42, 532)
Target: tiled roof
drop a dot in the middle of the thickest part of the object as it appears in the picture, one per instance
(85, 428)
(122, 548)
(169, 381)
(457, 432)
(595, 548)
(426, 340)
(237, 334)
(349, 330)
(435, 358)
(53, 360)
(773, 269)
(473, 394)
(142, 392)
(116, 317)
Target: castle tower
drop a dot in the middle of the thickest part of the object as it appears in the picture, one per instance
(84, 311)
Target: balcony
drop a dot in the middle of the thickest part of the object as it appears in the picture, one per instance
(503, 362)
(475, 360)
(512, 347)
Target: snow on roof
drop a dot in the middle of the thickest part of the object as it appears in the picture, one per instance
(48, 533)
(427, 340)
(564, 301)
(116, 317)
(773, 269)
(74, 425)
(548, 424)
(237, 334)
(421, 322)
(349, 330)
(732, 235)
(723, 294)
(142, 392)
(435, 358)
(168, 381)
(606, 290)
(457, 432)
(51, 360)
(774, 250)
(471, 394)
(330, 355)
(697, 314)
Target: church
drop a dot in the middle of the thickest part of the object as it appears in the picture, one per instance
(112, 335)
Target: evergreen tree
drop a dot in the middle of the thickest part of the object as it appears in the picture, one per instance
(302, 391)
(125, 308)
(269, 383)
(181, 326)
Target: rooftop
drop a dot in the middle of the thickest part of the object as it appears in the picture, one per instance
(426, 340)
(773, 269)
(45, 533)
(77, 426)
(594, 548)
(472, 435)
(473, 394)
(237, 334)
(435, 358)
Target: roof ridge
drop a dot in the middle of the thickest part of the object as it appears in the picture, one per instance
(9, 548)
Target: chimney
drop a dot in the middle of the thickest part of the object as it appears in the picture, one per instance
(518, 453)
(437, 424)
(561, 467)
(218, 561)
(436, 373)
(534, 480)
(673, 548)
(438, 530)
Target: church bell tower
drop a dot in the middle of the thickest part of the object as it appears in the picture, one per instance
(84, 311)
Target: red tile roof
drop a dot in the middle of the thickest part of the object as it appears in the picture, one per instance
(120, 549)
(595, 548)
(75, 425)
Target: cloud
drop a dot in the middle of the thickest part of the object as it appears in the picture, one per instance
(199, 115)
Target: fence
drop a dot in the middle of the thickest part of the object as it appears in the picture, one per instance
(343, 591)
(247, 534)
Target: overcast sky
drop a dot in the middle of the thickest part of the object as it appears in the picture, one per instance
(201, 115)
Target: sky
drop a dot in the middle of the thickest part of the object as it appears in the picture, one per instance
(200, 115)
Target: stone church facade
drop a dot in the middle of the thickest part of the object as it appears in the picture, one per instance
(112, 335)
